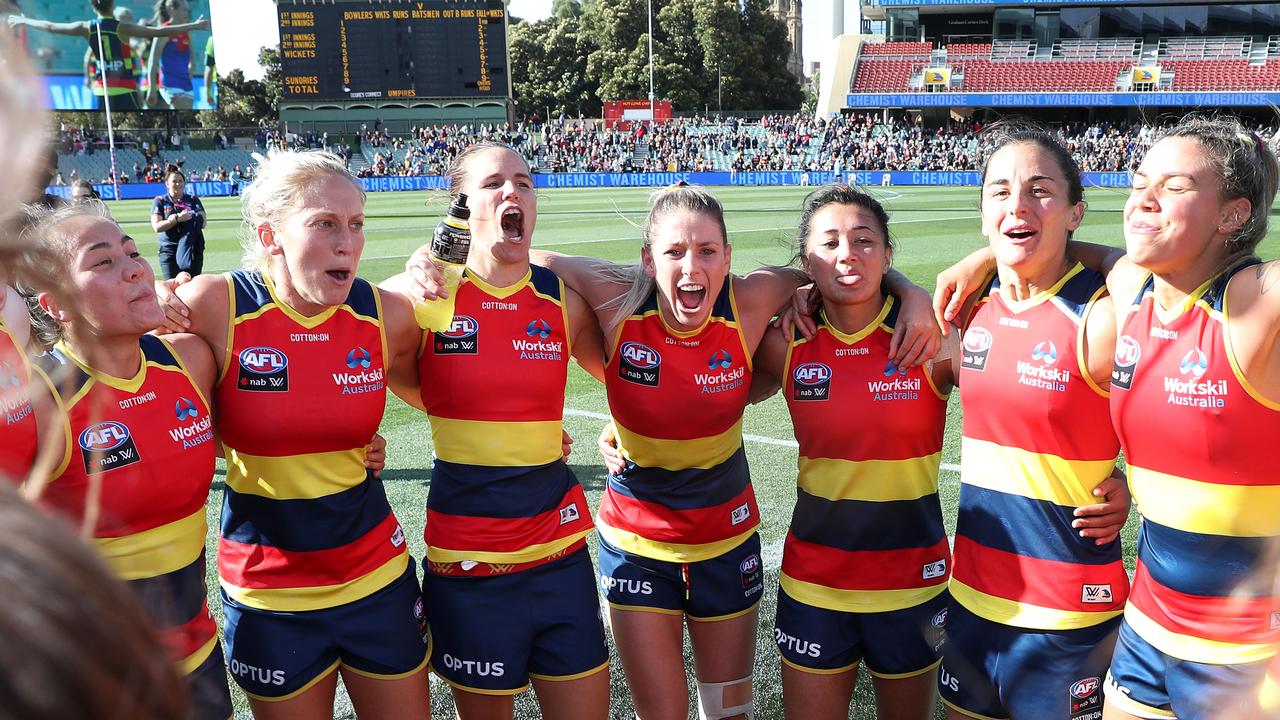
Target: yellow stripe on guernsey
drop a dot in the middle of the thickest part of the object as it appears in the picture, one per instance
(528, 554)
(870, 480)
(1038, 476)
(672, 552)
(1206, 508)
(158, 551)
(702, 453)
(298, 599)
(863, 601)
(1212, 652)
(192, 662)
(1009, 612)
(496, 444)
(295, 477)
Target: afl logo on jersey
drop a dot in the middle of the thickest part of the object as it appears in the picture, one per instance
(974, 349)
(462, 337)
(1128, 351)
(1046, 352)
(639, 363)
(358, 357)
(107, 446)
(263, 369)
(812, 382)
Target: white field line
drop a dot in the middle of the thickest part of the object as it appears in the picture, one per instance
(596, 241)
(763, 440)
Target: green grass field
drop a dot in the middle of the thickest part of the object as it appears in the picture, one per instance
(932, 226)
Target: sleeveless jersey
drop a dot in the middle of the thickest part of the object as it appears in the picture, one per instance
(116, 59)
(138, 464)
(18, 435)
(677, 400)
(1205, 477)
(175, 62)
(866, 534)
(1037, 441)
(493, 386)
(305, 525)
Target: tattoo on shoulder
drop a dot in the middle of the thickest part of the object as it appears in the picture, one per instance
(1268, 277)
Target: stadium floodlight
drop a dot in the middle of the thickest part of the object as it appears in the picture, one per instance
(651, 111)
(106, 108)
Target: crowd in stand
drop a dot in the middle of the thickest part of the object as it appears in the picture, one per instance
(857, 141)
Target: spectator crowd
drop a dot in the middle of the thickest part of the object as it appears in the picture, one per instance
(856, 141)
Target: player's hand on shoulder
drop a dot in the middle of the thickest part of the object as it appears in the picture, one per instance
(799, 314)
(917, 337)
(177, 316)
(958, 283)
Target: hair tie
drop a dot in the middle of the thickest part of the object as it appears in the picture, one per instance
(678, 184)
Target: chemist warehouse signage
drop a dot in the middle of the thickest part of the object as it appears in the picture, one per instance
(136, 191)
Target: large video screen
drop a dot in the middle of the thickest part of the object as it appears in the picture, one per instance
(393, 50)
(64, 43)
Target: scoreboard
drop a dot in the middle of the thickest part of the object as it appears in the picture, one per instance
(393, 49)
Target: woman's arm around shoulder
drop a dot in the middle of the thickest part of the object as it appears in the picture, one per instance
(198, 358)
(1253, 318)
(768, 363)
(585, 335)
(207, 300)
(1100, 341)
(1124, 281)
(597, 281)
(761, 293)
(404, 339)
(944, 368)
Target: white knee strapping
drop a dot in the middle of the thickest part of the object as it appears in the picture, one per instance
(711, 700)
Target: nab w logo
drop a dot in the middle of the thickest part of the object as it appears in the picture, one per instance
(720, 359)
(263, 369)
(639, 363)
(1128, 351)
(462, 337)
(538, 328)
(106, 446)
(975, 347)
(185, 410)
(358, 357)
(812, 381)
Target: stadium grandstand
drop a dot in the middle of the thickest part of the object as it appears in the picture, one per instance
(1086, 61)
(855, 141)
